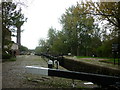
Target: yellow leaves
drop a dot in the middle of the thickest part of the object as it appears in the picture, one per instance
(75, 11)
(108, 7)
(109, 11)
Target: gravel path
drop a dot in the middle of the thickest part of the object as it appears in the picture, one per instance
(14, 75)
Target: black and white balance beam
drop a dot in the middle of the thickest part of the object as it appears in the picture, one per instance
(103, 80)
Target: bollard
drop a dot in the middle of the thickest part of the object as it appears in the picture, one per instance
(69, 54)
(50, 63)
(56, 62)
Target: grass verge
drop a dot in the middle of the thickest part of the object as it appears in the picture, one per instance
(105, 59)
(111, 61)
(94, 57)
(7, 60)
(12, 59)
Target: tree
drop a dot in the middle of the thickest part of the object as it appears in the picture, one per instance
(51, 35)
(43, 46)
(38, 50)
(106, 11)
(12, 18)
(60, 45)
(23, 48)
(81, 34)
(8, 9)
(109, 14)
(19, 21)
(78, 27)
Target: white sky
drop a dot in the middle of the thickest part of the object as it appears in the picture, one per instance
(42, 14)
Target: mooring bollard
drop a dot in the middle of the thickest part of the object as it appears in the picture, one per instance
(56, 62)
(50, 63)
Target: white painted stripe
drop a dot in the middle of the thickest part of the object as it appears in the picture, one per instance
(88, 83)
(37, 70)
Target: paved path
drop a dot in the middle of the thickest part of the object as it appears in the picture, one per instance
(14, 75)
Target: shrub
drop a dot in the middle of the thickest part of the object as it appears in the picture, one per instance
(12, 59)
(6, 56)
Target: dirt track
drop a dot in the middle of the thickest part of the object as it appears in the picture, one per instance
(14, 75)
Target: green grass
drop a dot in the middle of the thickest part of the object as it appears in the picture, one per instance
(9, 60)
(94, 57)
(110, 60)
(84, 57)
(12, 59)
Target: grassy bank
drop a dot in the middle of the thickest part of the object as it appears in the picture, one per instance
(90, 66)
(10, 59)
(100, 59)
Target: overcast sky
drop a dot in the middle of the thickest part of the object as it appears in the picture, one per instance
(42, 14)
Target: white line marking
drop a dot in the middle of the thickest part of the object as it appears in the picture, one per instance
(37, 70)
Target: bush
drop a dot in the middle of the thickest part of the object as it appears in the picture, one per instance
(12, 59)
(6, 56)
